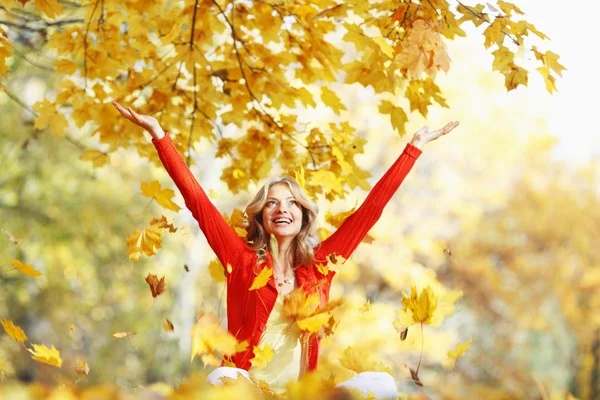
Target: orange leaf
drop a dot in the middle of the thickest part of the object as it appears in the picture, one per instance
(26, 269)
(157, 287)
(262, 278)
(82, 368)
(13, 331)
(168, 325)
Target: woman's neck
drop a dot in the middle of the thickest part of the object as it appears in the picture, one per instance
(284, 260)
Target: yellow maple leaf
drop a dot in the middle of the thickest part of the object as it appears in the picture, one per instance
(361, 361)
(515, 76)
(51, 8)
(242, 346)
(13, 331)
(298, 305)
(216, 271)
(25, 268)
(210, 341)
(261, 279)
(301, 179)
(146, 240)
(397, 116)
(64, 66)
(405, 320)
(213, 194)
(162, 196)
(422, 307)
(332, 100)
(175, 29)
(461, 348)
(262, 356)
(168, 325)
(43, 354)
(50, 116)
(98, 158)
(314, 323)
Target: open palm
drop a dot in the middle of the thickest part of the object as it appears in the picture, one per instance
(145, 121)
(424, 135)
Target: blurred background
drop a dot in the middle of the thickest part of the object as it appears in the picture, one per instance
(505, 209)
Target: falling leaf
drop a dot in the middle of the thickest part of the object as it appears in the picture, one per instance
(72, 328)
(365, 307)
(216, 270)
(210, 341)
(157, 287)
(163, 224)
(314, 323)
(404, 321)
(299, 305)
(423, 306)
(415, 377)
(26, 269)
(13, 331)
(10, 237)
(262, 356)
(147, 240)
(43, 354)
(82, 368)
(213, 194)
(168, 325)
(242, 346)
(461, 348)
(187, 269)
(121, 335)
(162, 196)
(361, 361)
(261, 279)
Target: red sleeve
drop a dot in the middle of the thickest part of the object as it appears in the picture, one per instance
(226, 244)
(353, 230)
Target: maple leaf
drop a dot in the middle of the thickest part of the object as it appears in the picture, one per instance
(25, 268)
(332, 100)
(98, 158)
(262, 278)
(157, 287)
(45, 355)
(51, 8)
(460, 349)
(514, 77)
(82, 368)
(13, 331)
(168, 325)
(163, 224)
(548, 79)
(397, 116)
(175, 29)
(64, 66)
(314, 323)
(262, 356)
(404, 321)
(162, 196)
(121, 335)
(50, 116)
(216, 271)
(361, 361)
(146, 240)
(299, 305)
(10, 237)
(423, 306)
(210, 341)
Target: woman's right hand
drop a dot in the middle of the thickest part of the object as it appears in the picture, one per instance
(145, 121)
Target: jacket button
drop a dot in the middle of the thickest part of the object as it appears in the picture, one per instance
(263, 327)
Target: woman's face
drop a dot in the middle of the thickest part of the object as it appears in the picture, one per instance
(282, 214)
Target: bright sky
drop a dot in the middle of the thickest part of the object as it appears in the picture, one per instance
(573, 111)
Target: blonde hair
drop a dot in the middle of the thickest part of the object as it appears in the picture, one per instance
(305, 240)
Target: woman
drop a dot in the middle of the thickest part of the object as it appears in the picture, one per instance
(283, 212)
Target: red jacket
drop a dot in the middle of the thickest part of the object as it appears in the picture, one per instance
(248, 311)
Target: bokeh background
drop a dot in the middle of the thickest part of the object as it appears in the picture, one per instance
(505, 208)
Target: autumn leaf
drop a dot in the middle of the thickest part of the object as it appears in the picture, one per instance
(262, 278)
(64, 66)
(213, 194)
(121, 335)
(299, 305)
(45, 355)
(51, 8)
(72, 328)
(163, 224)
(174, 32)
(361, 361)
(460, 349)
(13, 331)
(168, 325)
(415, 377)
(157, 287)
(50, 116)
(262, 356)
(397, 116)
(98, 158)
(10, 237)
(423, 306)
(404, 321)
(25, 268)
(314, 323)
(242, 346)
(332, 100)
(162, 196)
(210, 341)
(147, 240)
(82, 368)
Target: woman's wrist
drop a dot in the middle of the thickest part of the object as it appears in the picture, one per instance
(157, 133)
(417, 142)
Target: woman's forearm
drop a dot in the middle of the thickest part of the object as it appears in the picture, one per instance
(157, 132)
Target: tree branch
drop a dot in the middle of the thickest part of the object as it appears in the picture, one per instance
(85, 45)
(478, 15)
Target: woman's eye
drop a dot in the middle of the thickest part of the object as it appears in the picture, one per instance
(270, 202)
(294, 202)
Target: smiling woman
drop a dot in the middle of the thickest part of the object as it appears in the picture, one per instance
(281, 237)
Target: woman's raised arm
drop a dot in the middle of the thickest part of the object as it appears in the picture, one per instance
(224, 241)
(353, 230)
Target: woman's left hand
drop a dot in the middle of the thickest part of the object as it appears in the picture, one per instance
(424, 135)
